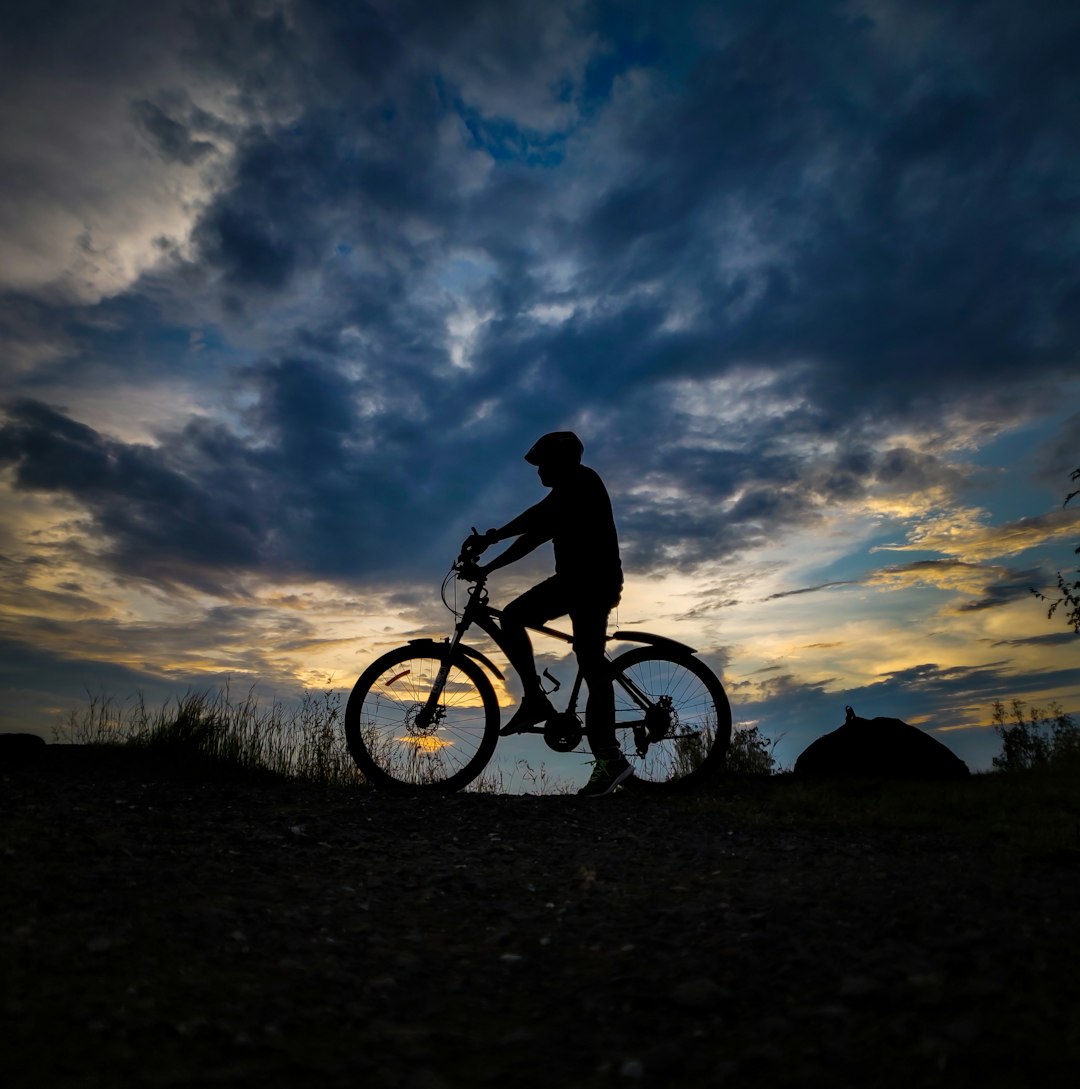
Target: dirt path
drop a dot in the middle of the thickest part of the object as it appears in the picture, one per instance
(162, 928)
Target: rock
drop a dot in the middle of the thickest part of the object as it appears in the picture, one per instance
(21, 747)
(697, 994)
(879, 748)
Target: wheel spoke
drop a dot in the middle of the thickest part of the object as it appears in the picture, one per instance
(688, 701)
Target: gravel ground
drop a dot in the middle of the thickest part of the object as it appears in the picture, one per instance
(174, 925)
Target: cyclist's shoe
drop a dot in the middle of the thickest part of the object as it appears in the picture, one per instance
(606, 776)
(533, 710)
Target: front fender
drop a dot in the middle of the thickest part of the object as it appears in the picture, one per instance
(439, 645)
(672, 646)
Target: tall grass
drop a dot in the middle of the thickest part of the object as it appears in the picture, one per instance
(522, 778)
(302, 741)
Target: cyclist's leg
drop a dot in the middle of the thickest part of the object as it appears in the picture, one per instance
(590, 635)
(610, 768)
(542, 603)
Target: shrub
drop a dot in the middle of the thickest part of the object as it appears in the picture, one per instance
(1069, 590)
(1035, 738)
(750, 753)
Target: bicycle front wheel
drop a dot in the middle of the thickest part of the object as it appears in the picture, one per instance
(672, 717)
(399, 741)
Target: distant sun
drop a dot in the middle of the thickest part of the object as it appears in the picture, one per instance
(427, 744)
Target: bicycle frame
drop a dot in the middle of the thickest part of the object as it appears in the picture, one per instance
(426, 715)
(477, 611)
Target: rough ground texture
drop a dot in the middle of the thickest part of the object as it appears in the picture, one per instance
(166, 925)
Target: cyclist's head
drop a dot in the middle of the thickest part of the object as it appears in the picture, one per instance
(556, 450)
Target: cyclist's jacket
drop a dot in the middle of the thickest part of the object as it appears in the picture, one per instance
(576, 517)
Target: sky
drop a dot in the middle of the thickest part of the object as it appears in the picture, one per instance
(288, 287)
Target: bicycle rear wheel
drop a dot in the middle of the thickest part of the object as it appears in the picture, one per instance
(678, 706)
(393, 749)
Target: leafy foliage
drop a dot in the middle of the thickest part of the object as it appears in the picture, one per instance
(1069, 591)
(750, 753)
(1035, 738)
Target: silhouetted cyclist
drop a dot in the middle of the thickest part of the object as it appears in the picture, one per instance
(576, 517)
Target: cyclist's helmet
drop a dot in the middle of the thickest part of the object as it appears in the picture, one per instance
(556, 448)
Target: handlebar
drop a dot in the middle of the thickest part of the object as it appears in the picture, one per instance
(465, 569)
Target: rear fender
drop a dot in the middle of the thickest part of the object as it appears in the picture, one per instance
(437, 646)
(660, 641)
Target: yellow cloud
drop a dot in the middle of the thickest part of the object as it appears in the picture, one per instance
(963, 533)
(906, 506)
(959, 575)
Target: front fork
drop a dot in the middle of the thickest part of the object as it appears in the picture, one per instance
(428, 714)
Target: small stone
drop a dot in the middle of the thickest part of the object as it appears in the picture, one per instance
(858, 987)
(425, 1078)
(632, 1070)
(696, 993)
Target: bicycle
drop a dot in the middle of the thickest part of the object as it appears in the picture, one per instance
(425, 716)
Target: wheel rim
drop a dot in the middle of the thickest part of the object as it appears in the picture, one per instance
(418, 753)
(695, 725)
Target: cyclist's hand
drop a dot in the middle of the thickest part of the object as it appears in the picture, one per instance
(476, 543)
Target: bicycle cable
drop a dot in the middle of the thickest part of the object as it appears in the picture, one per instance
(451, 576)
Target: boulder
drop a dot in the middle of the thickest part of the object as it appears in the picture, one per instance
(879, 748)
(21, 747)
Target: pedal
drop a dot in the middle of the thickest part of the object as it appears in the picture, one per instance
(641, 740)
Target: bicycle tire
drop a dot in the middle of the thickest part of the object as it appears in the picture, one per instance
(388, 747)
(695, 744)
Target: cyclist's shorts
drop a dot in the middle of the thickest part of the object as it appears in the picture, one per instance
(555, 597)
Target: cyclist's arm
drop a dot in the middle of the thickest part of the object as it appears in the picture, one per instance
(537, 522)
(532, 528)
(521, 547)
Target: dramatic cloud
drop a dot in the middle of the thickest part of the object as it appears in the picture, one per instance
(288, 287)
(964, 532)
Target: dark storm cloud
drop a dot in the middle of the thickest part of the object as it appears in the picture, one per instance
(1059, 457)
(1052, 639)
(313, 489)
(172, 137)
(882, 222)
(33, 678)
(812, 589)
(952, 693)
(1008, 587)
(1001, 585)
(901, 197)
(778, 493)
(161, 523)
